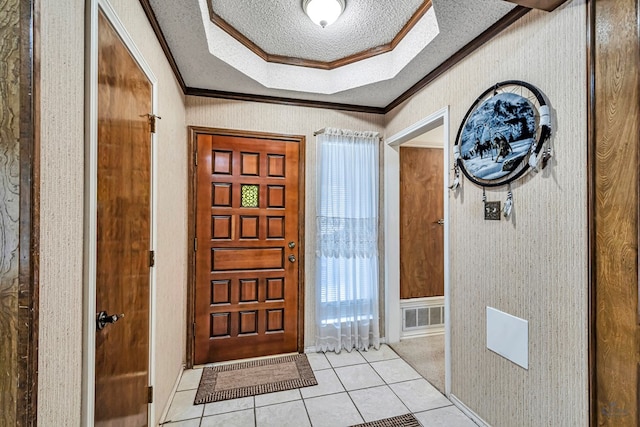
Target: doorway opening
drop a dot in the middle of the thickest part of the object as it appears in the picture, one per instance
(417, 246)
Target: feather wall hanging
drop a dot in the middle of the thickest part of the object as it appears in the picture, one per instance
(503, 136)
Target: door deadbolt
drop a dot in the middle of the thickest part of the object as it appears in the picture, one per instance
(292, 245)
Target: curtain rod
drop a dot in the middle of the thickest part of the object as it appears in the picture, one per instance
(321, 131)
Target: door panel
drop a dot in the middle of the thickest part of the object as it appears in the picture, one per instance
(247, 212)
(123, 233)
(421, 236)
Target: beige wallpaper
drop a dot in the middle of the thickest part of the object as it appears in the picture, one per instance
(62, 193)
(536, 268)
(61, 212)
(535, 265)
(282, 119)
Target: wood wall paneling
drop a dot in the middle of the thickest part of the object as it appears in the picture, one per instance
(17, 218)
(28, 296)
(9, 204)
(615, 211)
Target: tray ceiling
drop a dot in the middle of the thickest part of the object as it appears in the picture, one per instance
(210, 59)
(282, 28)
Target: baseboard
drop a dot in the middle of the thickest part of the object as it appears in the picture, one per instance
(165, 411)
(468, 412)
(422, 333)
(312, 348)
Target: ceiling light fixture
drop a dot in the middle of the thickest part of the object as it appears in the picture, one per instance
(323, 12)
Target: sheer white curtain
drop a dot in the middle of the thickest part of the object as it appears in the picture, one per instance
(347, 241)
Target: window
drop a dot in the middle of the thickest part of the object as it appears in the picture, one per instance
(347, 241)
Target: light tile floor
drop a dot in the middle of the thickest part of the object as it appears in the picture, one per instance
(352, 388)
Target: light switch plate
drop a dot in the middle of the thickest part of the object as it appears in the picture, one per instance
(492, 211)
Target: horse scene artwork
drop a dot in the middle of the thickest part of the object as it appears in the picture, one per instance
(497, 136)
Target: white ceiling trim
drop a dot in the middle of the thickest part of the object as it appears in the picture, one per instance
(312, 80)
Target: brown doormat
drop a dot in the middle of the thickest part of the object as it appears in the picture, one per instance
(407, 420)
(255, 377)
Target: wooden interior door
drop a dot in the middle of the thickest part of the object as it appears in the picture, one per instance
(247, 255)
(421, 228)
(123, 233)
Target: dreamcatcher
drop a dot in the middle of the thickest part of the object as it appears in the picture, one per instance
(503, 136)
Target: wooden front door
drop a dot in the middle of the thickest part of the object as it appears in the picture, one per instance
(421, 230)
(123, 233)
(248, 247)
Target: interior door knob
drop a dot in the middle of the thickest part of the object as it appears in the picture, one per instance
(292, 258)
(103, 319)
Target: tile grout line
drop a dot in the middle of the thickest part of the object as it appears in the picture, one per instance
(350, 398)
(387, 384)
(306, 410)
(333, 368)
(406, 381)
(255, 412)
(304, 403)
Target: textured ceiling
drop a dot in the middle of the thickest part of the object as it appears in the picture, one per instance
(459, 22)
(280, 27)
(306, 79)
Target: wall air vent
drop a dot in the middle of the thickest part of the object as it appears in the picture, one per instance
(422, 317)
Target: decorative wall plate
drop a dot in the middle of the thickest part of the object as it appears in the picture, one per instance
(502, 133)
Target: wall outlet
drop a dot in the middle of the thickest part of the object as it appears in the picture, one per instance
(492, 211)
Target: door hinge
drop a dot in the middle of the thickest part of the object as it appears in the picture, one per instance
(193, 329)
(150, 394)
(152, 121)
(195, 244)
(195, 157)
(152, 258)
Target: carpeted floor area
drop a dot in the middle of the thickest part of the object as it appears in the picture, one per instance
(425, 355)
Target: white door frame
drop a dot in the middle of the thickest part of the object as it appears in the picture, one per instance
(90, 202)
(393, 324)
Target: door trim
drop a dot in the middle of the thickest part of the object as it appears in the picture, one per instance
(392, 230)
(193, 132)
(90, 201)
